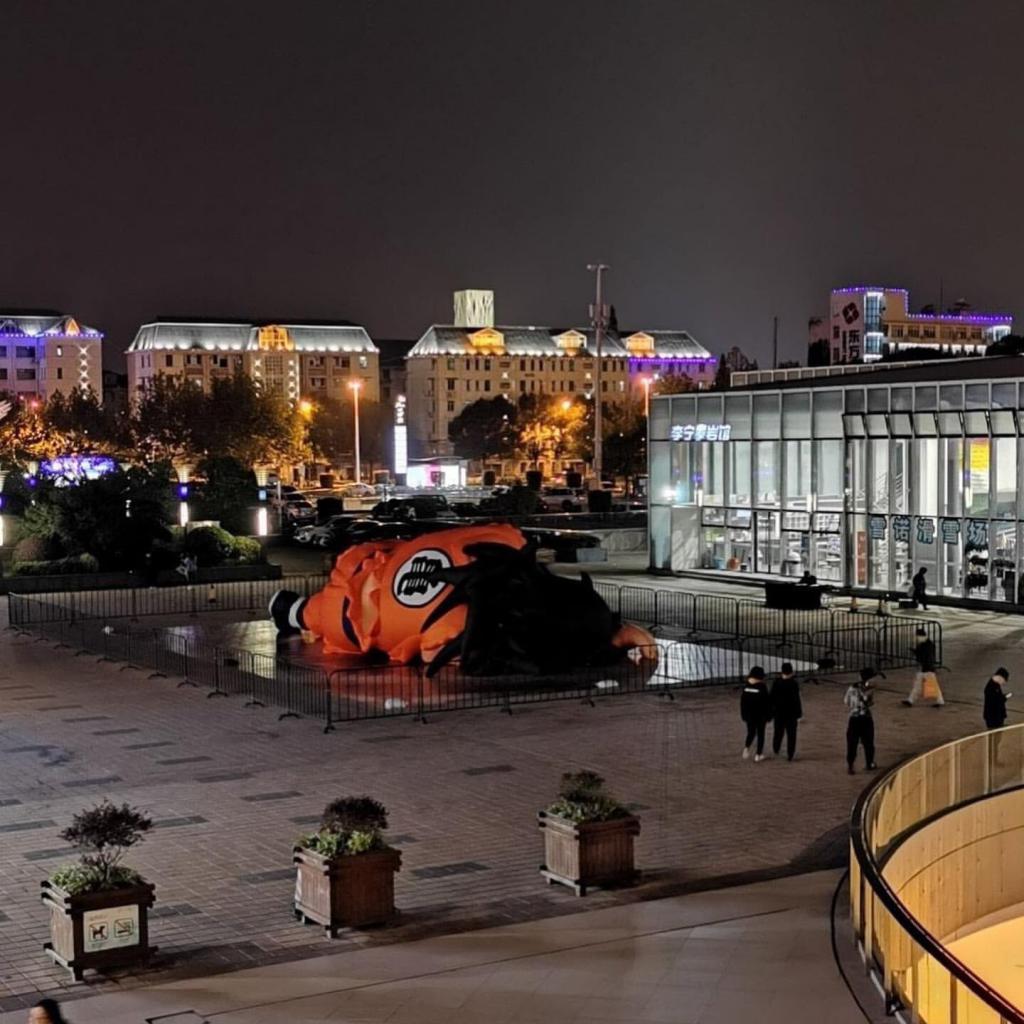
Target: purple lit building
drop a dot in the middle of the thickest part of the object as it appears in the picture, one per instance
(454, 365)
(46, 353)
(866, 322)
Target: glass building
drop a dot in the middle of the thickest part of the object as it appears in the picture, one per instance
(860, 478)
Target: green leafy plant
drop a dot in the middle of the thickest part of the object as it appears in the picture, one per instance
(103, 835)
(583, 798)
(349, 826)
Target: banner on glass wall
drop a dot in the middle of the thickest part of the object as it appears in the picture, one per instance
(901, 528)
(876, 527)
(925, 530)
(977, 535)
(950, 531)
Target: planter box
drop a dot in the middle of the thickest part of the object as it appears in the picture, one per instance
(345, 892)
(98, 930)
(593, 853)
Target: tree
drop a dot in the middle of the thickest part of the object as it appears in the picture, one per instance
(167, 420)
(331, 432)
(376, 420)
(625, 440)
(228, 493)
(84, 425)
(819, 353)
(676, 383)
(553, 428)
(103, 835)
(484, 429)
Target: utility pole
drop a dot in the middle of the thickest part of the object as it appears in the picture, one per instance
(599, 319)
(775, 342)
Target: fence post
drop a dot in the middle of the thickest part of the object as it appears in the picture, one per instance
(192, 600)
(329, 703)
(184, 658)
(135, 608)
(216, 691)
(421, 716)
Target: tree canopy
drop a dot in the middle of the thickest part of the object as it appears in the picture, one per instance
(484, 429)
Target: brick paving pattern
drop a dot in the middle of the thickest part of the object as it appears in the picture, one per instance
(462, 791)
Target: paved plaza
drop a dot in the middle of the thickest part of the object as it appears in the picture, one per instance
(231, 787)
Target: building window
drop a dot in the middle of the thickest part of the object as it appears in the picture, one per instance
(3, 351)
(60, 350)
(451, 364)
(522, 364)
(24, 352)
(60, 373)
(487, 385)
(3, 373)
(450, 383)
(168, 360)
(26, 375)
(487, 365)
(451, 407)
(913, 331)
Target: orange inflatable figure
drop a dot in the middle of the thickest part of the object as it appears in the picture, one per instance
(475, 593)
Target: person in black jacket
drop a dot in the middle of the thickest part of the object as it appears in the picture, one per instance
(926, 679)
(787, 709)
(755, 710)
(995, 699)
(918, 585)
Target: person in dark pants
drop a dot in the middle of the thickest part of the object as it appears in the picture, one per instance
(860, 729)
(926, 682)
(919, 584)
(755, 710)
(787, 709)
(995, 699)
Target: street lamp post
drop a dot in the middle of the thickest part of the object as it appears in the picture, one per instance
(599, 319)
(356, 385)
(647, 382)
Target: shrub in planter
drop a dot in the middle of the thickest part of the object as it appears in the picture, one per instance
(98, 907)
(588, 836)
(345, 871)
(70, 565)
(246, 550)
(209, 544)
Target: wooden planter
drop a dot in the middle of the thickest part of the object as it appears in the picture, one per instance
(98, 930)
(352, 891)
(593, 853)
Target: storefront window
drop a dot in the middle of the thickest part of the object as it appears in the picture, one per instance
(741, 549)
(796, 414)
(796, 553)
(829, 475)
(828, 556)
(859, 474)
(798, 474)
(952, 471)
(828, 414)
(950, 552)
(660, 418)
(739, 473)
(769, 554)
(926, 476)
(766, 473)
(681, 482)
(737, 415)
(900, 476)
(714, 472)
(1004, 562)
(713, 550)
(878, 551)
(662, 491)
(977, 477)
(1006, 477)
(766, 417)
(976, 558)
(879, 470)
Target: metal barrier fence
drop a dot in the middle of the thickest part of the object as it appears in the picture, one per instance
(824, 632)
(136, 602)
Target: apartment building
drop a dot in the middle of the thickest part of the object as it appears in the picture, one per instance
(866, 322)
(297, 361)
(48, 353)
(454, 365)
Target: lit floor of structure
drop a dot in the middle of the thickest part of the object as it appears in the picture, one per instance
(996, 955)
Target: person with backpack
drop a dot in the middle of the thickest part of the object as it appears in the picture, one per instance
(755, 710)
(860, 728)
(926, 682)
(787, 709)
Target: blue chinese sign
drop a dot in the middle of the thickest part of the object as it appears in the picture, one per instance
(977, 535)
(700, 432)
(901, 528)
(925, 531)
(950, 531)
(876, 527)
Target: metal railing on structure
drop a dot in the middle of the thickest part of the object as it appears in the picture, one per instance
(137, 602)
(883, 641)
(933, 851)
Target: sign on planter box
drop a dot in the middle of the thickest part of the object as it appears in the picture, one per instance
(110, 928)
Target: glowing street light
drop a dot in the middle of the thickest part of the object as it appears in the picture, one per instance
(647, 382)
(356, 385)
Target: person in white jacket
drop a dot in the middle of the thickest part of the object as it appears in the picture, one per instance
(860, 729)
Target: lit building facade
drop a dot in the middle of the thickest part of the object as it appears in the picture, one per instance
(307, 361)
(866, 322)
(44, 355)
(452, 366)
(860, 478)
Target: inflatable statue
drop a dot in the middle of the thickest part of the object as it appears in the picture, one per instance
(473, 593)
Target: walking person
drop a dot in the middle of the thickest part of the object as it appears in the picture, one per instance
(787, 709)
(995, 699)
(926, 682)
(755, 710)
(860, 729)
(919, 583)
(46, 1011)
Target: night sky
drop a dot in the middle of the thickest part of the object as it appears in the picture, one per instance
(361, 160)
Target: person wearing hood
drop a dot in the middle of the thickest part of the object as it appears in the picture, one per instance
(787, 708)
(995, 699)
(755, 710)
(860, 729)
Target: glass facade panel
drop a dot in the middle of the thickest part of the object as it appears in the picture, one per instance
(1005, 490)
(681, 480)
(709, 408)
(976, 480)
(878, 399)
(951, 477)
(854, 399)
(684, 409)
(1004, 562)
(766, 417)
(951, 396)
(829, 484)
(661, 489)
(925, 398)
(902, 399)
(768, 550)
(878, 454)
(949, 424)
(975, 423)
(925, 488)
(737, 415)
(739, 473)
(900, 454)
(828, 413)
(977, 396)
(798, 474)
(1004, 396)
(976, 559)
(766, 474)
(713, 474)
(661, 418)
(796, 414)
(924, 424)
(1003, 423)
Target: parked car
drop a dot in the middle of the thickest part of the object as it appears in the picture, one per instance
(297, 512)
(344, 532)
(561, 499)
(415, 506)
